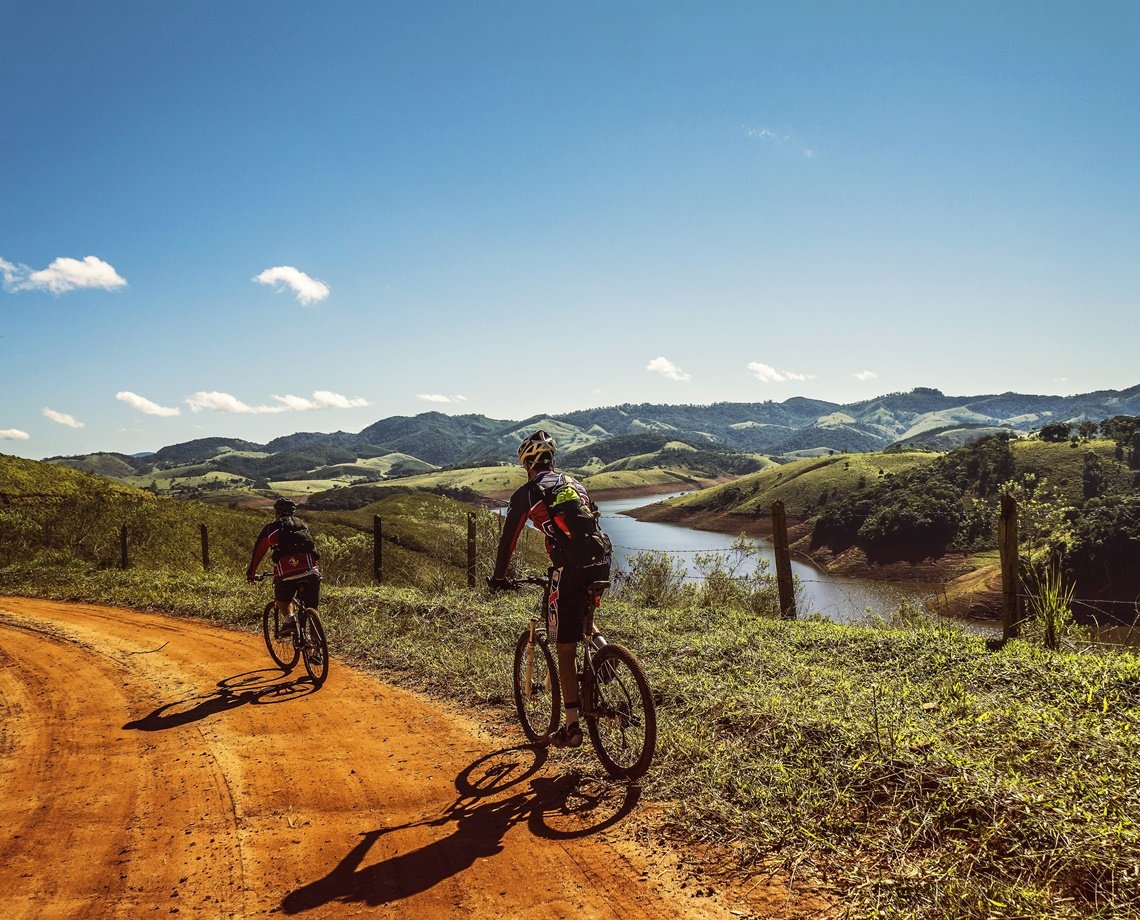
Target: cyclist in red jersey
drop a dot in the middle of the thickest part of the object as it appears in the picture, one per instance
(295, 569)
(571, 601)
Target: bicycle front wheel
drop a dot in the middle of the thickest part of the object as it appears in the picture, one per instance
(537, 694)
(314, 647)
(282, 649)
(622, 720)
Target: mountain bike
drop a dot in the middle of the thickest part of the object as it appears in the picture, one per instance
(306, 642)
(615, 703)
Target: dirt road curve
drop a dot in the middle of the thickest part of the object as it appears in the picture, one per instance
(158, 765)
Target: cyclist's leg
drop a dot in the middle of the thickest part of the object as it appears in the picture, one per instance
(283, 592)
(572, 601)
(309, 591)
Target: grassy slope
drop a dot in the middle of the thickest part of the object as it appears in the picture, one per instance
(799, 485)
(804, 485)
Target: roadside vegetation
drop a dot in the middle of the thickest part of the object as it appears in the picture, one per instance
(911, 768)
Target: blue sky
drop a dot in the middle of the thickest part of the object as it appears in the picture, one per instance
(247, 219)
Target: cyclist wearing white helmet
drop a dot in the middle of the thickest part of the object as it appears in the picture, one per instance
(571, 601)
(295, 570)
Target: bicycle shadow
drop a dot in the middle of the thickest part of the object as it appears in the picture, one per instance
(249, 688)
(480, 818)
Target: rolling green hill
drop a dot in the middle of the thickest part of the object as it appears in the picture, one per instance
(708, 441)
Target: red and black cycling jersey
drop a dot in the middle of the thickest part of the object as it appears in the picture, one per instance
(286, 566)
(527, 505)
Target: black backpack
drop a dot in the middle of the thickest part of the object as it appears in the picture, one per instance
(293, 537)
(574, 526)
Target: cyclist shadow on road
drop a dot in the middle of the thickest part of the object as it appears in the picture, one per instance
(251, 688)
(491, 801)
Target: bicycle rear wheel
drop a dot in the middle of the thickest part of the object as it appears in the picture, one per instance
(622, 720)
(314, 646)
(282, 649)
(538, 697)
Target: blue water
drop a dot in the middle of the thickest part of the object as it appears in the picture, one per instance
(843, 600)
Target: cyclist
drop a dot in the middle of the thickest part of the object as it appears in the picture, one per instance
(295, 570)
(571, 602)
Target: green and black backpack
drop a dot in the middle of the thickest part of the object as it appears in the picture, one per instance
(574, 526)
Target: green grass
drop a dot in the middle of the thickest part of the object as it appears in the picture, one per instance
(804, 486)
(921, 773)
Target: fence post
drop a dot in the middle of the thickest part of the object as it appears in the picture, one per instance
(377, 548)
(205, 546)
(123, 561)
(1007, 545)
(783, 562)
(470, 549)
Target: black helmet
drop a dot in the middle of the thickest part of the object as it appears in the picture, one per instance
(284, 506)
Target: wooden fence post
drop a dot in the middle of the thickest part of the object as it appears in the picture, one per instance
(1010, 581)
(783, 562)
(377, 548)
(123, 561)
(205, 546)
(470, 549)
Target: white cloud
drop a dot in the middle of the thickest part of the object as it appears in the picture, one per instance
(62, 275)
(63, 418)
(767, 136)
(225, 402)
(145, 406)
(768, 374)
(13, 434)
(667, 368)
(308, 290)
(433, 397)
(866, 375)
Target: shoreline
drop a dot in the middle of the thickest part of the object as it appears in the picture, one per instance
(970, 584)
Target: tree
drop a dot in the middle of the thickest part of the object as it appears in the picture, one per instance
(1056, 432)
(1093, 478)
(1087, 429)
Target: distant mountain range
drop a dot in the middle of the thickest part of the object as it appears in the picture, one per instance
(797, 427)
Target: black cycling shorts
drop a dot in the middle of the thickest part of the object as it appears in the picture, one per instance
(567, 604)
(307, 589)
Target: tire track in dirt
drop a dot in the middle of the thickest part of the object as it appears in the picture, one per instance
(154, 764)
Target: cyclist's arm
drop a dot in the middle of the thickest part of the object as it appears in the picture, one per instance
(513, 526)
(265, 541)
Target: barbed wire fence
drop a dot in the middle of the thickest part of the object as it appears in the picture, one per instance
(133, 534)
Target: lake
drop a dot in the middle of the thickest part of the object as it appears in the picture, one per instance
(837, 598)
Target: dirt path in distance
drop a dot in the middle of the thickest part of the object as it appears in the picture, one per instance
(154, 765)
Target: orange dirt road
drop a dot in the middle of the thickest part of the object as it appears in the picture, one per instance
(157, 765)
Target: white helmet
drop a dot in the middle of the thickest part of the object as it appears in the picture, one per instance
(535, 448)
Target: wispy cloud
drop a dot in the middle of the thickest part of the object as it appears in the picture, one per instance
(667, 368)
(61, 276)
(767, 374)
(778, 138)
(440, 398)
(224, 402)
(144, 405)
(63, 418)
(13, 434)
(866, 375)
(308, 290)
